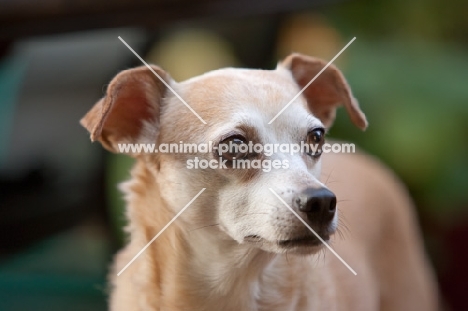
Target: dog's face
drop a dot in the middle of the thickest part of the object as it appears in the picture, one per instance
(237, 105)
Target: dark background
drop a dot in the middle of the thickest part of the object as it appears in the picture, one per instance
(60, 212)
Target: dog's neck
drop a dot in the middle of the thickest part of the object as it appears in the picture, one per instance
(196, 270)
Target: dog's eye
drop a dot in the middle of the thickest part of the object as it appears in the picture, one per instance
(315, 140)
(234, 147)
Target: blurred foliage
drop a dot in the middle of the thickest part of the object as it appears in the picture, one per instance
(409, 70)
(12, 70)
(428, 19)
(415, 97)
(118, 168)
(65, 272)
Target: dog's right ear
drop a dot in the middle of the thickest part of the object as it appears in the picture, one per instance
(129, 110)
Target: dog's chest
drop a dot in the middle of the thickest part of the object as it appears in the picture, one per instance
(295, 286)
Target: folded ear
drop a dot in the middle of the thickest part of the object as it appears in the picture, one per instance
(129, 112)
(327, 92)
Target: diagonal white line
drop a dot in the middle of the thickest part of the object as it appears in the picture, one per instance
(160, 232)
(316, 76)
(162, 80)
(312, 230)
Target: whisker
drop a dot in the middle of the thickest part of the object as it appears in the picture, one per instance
(343, 229)
(203, 227)
(217, 224)
(344, 200)
(287, 258)
(340, 233)
(269, 204)
(331, 182)
(329, 175)
(250, 214)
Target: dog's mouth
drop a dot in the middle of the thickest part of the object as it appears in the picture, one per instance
(253, 238)
(300, 242)
(306, 241)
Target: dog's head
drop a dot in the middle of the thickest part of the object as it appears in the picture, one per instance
(245, 199)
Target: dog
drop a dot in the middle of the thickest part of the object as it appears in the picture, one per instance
(238, 246)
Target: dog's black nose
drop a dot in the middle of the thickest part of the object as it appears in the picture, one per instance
(318, 203)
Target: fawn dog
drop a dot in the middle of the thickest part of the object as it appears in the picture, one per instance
(238, 246)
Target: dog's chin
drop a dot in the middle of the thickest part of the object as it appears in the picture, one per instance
(301, 246)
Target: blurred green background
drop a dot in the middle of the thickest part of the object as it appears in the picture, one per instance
(60, 211)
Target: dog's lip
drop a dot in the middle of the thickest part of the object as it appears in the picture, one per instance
(289, 243)
(302, 241)
(253, 238)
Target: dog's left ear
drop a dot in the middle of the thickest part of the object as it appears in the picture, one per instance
(327, 92)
